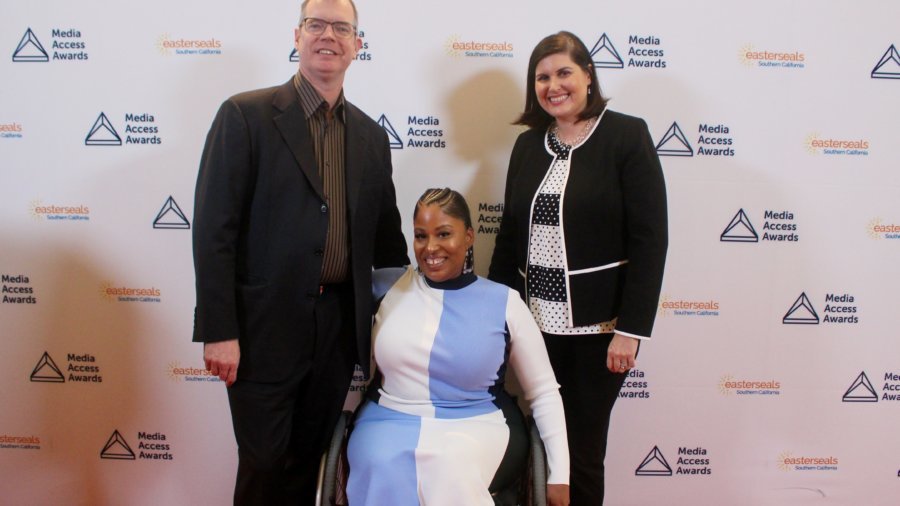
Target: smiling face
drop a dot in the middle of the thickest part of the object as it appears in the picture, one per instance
(560, 87)
(326, 56)
(441, 242)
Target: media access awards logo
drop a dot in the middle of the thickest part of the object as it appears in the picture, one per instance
(490, 214)
(644, 51)
(17, 289)
(692, 461)
(752, 57)
(713, 140)
(55, 212)
(862, 389)
(66, 44)
(422, 132)
(786, 461)
(888, 67)
(778, 226)
(177, 373)
(393, 138)
(636, 385)
(840, 308)
(817, 144)
(728, 385)
(877, 229)
(458, 47)
(151, 446)
(180, 46)
(139, 129)
(80, 368)
(674, 143)
(46, 371)
(170, 216)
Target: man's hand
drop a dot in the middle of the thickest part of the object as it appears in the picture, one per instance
(222, 359)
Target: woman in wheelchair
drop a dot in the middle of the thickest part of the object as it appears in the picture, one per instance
(433, 430)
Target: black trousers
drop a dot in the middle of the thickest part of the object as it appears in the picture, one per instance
(589, 391)
(282, 428)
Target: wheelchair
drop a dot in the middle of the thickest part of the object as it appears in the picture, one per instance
(529, 488)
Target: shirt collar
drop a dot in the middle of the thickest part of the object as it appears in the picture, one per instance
(311, 101)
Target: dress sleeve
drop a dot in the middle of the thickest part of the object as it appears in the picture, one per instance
(528, 358)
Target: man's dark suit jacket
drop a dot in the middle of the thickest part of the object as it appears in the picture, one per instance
(260, 221)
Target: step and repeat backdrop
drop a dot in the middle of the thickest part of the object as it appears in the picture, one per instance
(773, 376)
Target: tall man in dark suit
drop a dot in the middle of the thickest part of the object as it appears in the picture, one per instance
(293, 208)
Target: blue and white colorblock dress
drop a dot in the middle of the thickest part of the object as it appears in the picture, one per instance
(433, 433)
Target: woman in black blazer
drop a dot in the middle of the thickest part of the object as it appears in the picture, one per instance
(583, 240)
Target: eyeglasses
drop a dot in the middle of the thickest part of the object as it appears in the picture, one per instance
(316, 26)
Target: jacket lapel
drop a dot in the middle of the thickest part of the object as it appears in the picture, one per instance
(356, 144)
(291, 123)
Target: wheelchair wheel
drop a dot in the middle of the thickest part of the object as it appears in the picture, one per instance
(328, 466)
(538, 461)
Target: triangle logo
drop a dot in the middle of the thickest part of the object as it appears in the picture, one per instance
(604, 54)
(393, 138)
(171, 216)
(674, 143)
(801, 312)
(654, 464)
(861, 390)
(30, 49)
(102, 133)
(46, 371)
(739, 229)
(117, 448)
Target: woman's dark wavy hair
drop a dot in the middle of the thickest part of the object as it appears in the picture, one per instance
(562, 42)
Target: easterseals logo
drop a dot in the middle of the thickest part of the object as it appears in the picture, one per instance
(888, 67)
(788, 462)
(423, 131)
(16, 442)
(54, 212)
(167, 45)
(458, 47)
(817, 144)
(728, 385)
(10, 130)
(177, 373)
(676, 306)
(66, 44)
(114, 293)
(752, 57)
(877, 229)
